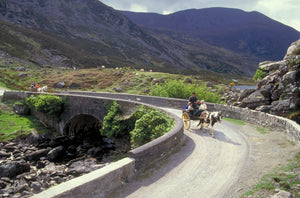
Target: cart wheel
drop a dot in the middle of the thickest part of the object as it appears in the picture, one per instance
(186, 121)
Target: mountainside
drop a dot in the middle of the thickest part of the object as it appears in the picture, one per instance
(243, 32)
(94, 33)
(89, 34)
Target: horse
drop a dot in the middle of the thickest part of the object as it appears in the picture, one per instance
(208, 120)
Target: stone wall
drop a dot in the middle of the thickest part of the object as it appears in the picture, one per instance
(96, 184)
(289, 127)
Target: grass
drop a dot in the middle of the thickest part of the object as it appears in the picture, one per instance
(284, 178)
(13, 125)
(262, 130)
(234, 121)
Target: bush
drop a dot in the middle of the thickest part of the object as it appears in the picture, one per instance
(179, 89)
(150, 126)
(49, 104)
(260, 74)
(116, 125)
(143, 125)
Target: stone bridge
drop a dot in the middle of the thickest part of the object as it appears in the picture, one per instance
(90, 107)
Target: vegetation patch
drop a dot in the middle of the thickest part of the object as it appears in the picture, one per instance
(234, 121)
(143, 125)
(179, 89)
(49, 104)
(260, 74)
(13, 125)
(284, 178)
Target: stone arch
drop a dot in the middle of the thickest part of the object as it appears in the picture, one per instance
(83, 125)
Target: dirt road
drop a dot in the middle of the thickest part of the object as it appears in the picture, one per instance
(205, 167)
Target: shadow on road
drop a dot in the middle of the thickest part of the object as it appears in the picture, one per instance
(146, 178)
(220, 136)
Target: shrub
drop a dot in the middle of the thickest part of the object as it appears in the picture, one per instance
(179, 89)
(115, 124)
(49, 104)
(260, 74)
(143, 125)
(150, 126)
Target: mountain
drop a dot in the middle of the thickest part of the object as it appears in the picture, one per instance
(83, 33)
(76, 33)
(249, 33)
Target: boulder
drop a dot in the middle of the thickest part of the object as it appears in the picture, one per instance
(283, 194)
(21, 68)
(245, 93)
(293, 47)
(266, 90)
(289, 77)
(256, 99)
(36, 186)
(74, 86)
(60, 85)
(13, 169)
(118, 89)
(56, 154)
(272, 66)
(22, 75)
(35, 156)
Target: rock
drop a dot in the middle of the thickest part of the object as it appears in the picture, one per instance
(245, 93)
(40, 164)
(266, 90)
(118, 89)
(35, 156)
(155, 80)
(264, 108)
(22, 75)
(256, 99)
(21, 109)
(21, 68)
(283, 194)
(60, 85)
(2, 184)
(4, 154)
(74, 86)
(209, 84)
(272, 66)
(289, 77)
(56, 154)
(36, 186)
(276, 94)
(293, 47)
(281, 105)
(13, 169)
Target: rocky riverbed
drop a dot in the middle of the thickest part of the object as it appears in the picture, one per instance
(31, 164)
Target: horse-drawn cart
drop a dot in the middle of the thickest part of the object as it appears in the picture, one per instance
(187, 117)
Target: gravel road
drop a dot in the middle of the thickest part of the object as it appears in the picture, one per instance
(226, 166)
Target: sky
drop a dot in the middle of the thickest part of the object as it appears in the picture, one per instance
(284, 11)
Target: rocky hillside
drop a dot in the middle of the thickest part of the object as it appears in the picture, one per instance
(278, 86)
(83, 33)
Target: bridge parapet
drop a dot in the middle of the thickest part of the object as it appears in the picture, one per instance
(289, 127)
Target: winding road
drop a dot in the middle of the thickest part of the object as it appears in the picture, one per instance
(226, 166)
